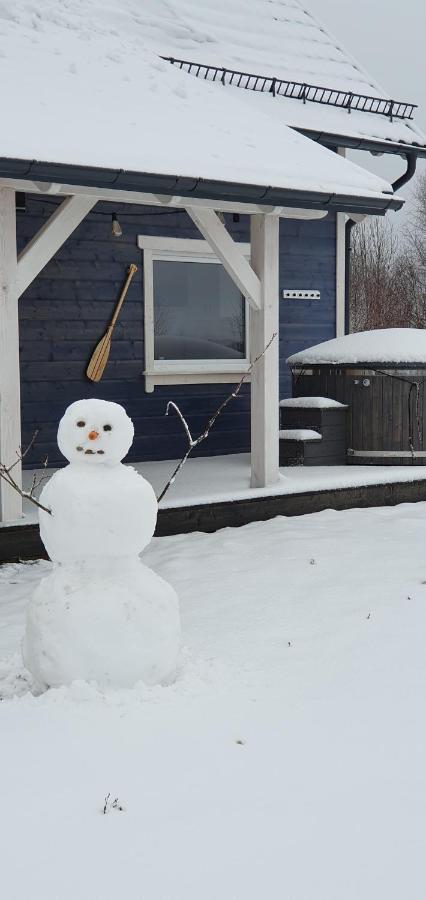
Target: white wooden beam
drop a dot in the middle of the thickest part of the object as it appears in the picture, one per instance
(110, 195)
(264, 323)
(340, 273)
(10, 402)
(229, 253)
(43, 246)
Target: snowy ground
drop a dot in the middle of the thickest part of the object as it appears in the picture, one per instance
(288, 760)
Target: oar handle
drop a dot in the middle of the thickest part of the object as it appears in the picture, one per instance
(130, 274)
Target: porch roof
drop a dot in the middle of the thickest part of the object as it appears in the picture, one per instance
(87, 104)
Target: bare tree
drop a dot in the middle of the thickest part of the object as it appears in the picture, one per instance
(415, 236)
(386, 288)
(415, 231)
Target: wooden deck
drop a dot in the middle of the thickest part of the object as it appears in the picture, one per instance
(300, 491)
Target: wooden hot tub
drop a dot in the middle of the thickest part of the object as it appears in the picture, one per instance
(386, 397)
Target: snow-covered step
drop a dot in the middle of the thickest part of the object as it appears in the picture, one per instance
(311, 403)
(317, 413)
(299, 434)
(313, 432)
(296, 445)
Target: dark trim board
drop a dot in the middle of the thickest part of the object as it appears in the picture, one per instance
(184, 519)
(192, 186)
(359, 143)
(21, 542)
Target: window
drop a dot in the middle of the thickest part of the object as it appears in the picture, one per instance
(198, 311)
(196, 319)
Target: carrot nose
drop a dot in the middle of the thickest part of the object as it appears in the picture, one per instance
(93, 435)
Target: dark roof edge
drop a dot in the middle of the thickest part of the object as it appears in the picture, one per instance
(119, 179)
(355, 143)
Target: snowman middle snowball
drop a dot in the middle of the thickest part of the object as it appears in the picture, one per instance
(101, 614)
(99, 506)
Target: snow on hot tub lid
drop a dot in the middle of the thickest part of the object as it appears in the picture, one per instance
(386, 345)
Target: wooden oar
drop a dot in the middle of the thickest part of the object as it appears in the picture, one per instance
(100, 355)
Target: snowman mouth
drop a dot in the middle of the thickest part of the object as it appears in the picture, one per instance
(92, 452)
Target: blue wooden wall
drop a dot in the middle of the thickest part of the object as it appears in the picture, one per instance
(65, 311)
(307, 261)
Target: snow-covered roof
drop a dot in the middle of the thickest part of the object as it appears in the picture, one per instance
(387, 345)
(84, 88)
(278, 38)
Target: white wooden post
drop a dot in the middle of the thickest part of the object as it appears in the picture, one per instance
(264, 379)
(340, 273)
(10, 401)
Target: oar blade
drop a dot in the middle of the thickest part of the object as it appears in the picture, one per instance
(99, 358)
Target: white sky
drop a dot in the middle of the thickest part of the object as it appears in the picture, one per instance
(387, 37)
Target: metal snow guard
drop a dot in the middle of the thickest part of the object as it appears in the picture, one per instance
(296, 90)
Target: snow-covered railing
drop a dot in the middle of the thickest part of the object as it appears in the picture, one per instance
(296, 90)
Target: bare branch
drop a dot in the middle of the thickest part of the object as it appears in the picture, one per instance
(21, 455)
(175, 473)
(194, 442)
(183, 420)
(5, 474)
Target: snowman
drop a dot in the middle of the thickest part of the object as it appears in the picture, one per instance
(100, 615)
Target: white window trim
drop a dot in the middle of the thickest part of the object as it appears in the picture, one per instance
(197, 371)
(341, 219)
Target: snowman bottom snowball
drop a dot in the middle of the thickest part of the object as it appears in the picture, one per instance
(115, 631)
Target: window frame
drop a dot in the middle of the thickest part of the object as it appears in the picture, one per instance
(197, 371)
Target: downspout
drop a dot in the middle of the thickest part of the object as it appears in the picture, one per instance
(406, 176)
(348, 249)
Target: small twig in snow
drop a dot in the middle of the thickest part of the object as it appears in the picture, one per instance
(111, 804)
(194, 442)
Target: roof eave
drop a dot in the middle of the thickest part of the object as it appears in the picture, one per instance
(331, 139)
(201, 188)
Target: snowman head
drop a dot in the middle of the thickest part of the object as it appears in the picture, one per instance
(94, 432)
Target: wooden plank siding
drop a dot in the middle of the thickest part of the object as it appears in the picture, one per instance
(64, 312)
(307, 261)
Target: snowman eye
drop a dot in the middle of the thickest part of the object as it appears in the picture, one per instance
(107, 427)
(80, 424)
